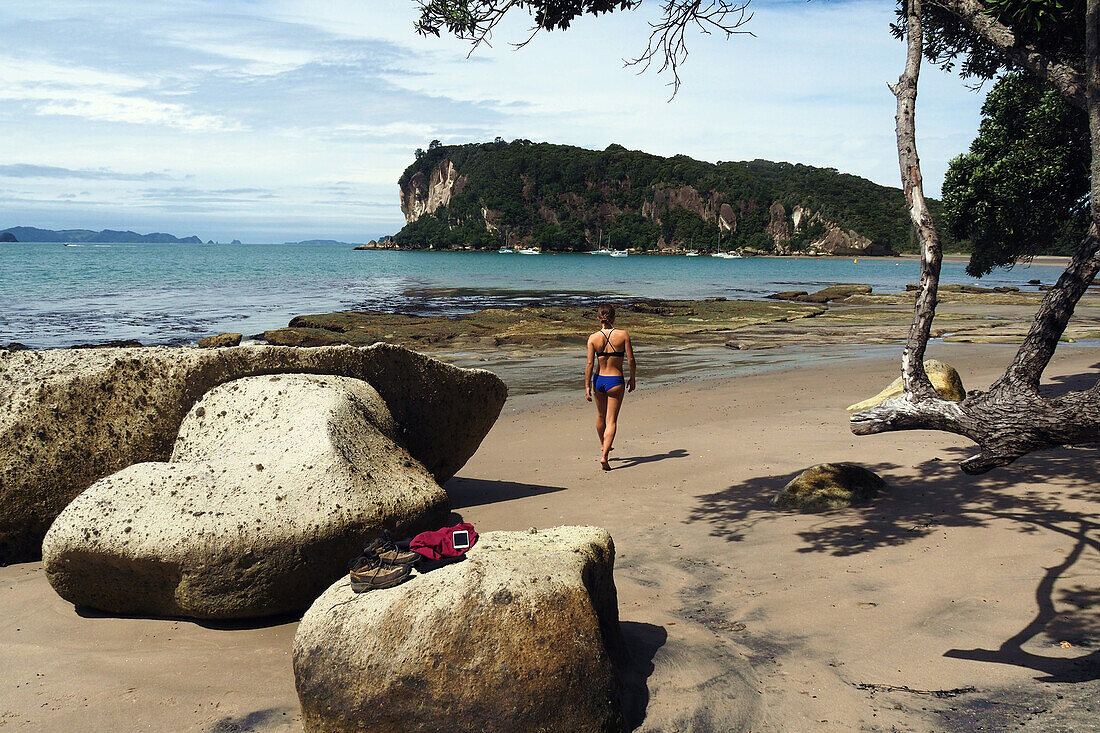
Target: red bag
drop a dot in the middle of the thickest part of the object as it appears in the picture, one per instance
(443, 543)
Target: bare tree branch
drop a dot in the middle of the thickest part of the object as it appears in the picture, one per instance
(475, 21)
(667, 38)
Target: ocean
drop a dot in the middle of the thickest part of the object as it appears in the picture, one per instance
(52, 295)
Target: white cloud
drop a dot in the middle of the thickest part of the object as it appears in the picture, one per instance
(54, 89)
(293, 96)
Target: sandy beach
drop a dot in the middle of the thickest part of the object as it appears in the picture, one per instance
(952, 603)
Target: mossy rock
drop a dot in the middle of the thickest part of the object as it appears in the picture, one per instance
(945, 379)
(829, 486)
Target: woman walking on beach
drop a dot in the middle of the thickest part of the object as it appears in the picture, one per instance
(603, 376)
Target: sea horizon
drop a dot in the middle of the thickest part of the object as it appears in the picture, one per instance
(57, 296)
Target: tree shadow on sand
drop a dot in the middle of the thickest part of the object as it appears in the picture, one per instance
(940, 495)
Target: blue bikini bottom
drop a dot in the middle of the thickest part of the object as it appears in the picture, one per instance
(602, 383)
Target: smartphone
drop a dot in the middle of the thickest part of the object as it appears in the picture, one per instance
(460, 539)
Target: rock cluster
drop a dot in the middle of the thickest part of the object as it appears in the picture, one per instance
(826, 295)
(521, 636)
(70, 418)
(829, 486)
(273, 484)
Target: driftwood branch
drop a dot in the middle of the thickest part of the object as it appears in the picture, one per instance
(1012, 418)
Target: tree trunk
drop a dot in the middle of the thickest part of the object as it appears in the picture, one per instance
(1012, 418)
(917, 385)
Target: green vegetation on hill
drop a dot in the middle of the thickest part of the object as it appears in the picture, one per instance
(562, 198)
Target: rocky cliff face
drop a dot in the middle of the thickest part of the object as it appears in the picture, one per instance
(424, 194)
(834, 241)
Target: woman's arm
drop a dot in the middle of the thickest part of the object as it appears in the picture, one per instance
(588, 370)
(631, 363)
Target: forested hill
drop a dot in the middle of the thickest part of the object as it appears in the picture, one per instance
(565, 198)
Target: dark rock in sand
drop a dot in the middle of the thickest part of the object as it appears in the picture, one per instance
(310, 337)
(1033, 282)
(16, 346)
(117, 344)
(274, 483)
(834, 292)
(220, 341)
(829, 486)
(69, 418)
(523, 635)
(787, 295)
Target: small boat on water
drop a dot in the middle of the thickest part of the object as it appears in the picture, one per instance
(530, 251)
(618, 253)
(600, 249)
(506, 251)
(724, 255)
(691, 253)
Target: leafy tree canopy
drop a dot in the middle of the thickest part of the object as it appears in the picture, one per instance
(1023, 187)
(1050, 27)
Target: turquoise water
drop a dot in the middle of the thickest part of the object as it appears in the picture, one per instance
(53, 295)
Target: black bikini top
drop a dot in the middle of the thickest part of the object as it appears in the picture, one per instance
(606, 343)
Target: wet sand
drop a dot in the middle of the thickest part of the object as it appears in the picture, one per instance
(952, 603)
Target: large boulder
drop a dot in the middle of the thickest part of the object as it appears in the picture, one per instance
(69, 418)
(273, 485)
(829, 486)
(521, 636)
(943, 376)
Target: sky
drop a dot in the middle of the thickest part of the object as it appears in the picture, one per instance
(283, 120)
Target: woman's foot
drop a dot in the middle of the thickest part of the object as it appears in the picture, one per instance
(604, 464)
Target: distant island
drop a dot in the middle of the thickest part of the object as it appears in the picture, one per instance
(564, 198)
(33, 234)
(7, 237)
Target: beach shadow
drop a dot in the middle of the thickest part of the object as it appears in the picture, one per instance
(250, 722)
(642, 642)
(243, 624)
(639, 460)
(1061, 385)
(940, 495)
(468, 492)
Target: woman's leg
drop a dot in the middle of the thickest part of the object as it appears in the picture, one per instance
(613, 401)
(601, 414)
